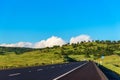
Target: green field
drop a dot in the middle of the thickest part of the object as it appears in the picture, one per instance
(33, 58)
(111, 62)
(36, 58)
(27, 57)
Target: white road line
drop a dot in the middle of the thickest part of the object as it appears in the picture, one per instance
(52, 67)
(69, 71)
(39, 69)
(15, 74)
(29, 71)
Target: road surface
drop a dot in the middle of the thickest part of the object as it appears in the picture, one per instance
(88, 72)
(48, 72)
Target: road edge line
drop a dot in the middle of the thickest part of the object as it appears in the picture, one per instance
(14, 74)
(101, 74)
(70, 71)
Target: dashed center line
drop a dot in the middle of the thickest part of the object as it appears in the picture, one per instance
(39, 69)
(52, 67)
(15, 74)
(29, 71)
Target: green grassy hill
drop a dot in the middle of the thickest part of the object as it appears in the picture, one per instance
(26, 57)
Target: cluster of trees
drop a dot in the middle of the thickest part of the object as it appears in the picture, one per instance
(17, 50)
(95, 48)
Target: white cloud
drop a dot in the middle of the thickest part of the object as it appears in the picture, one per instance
(50, 42)
(80, 38)
(19, 44)
(40, 44)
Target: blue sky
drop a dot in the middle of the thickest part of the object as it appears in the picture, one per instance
(35, 20)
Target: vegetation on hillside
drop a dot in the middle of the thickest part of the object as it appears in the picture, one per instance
(25, 57)
(95, 48)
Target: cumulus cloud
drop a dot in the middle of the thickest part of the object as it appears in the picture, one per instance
(50, 42)
(80, 38)
(19, 44)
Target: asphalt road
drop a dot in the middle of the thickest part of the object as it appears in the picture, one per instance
(88, 72)
(48, 72)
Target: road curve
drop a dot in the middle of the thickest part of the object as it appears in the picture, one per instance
(88, 72)
(48, 72)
